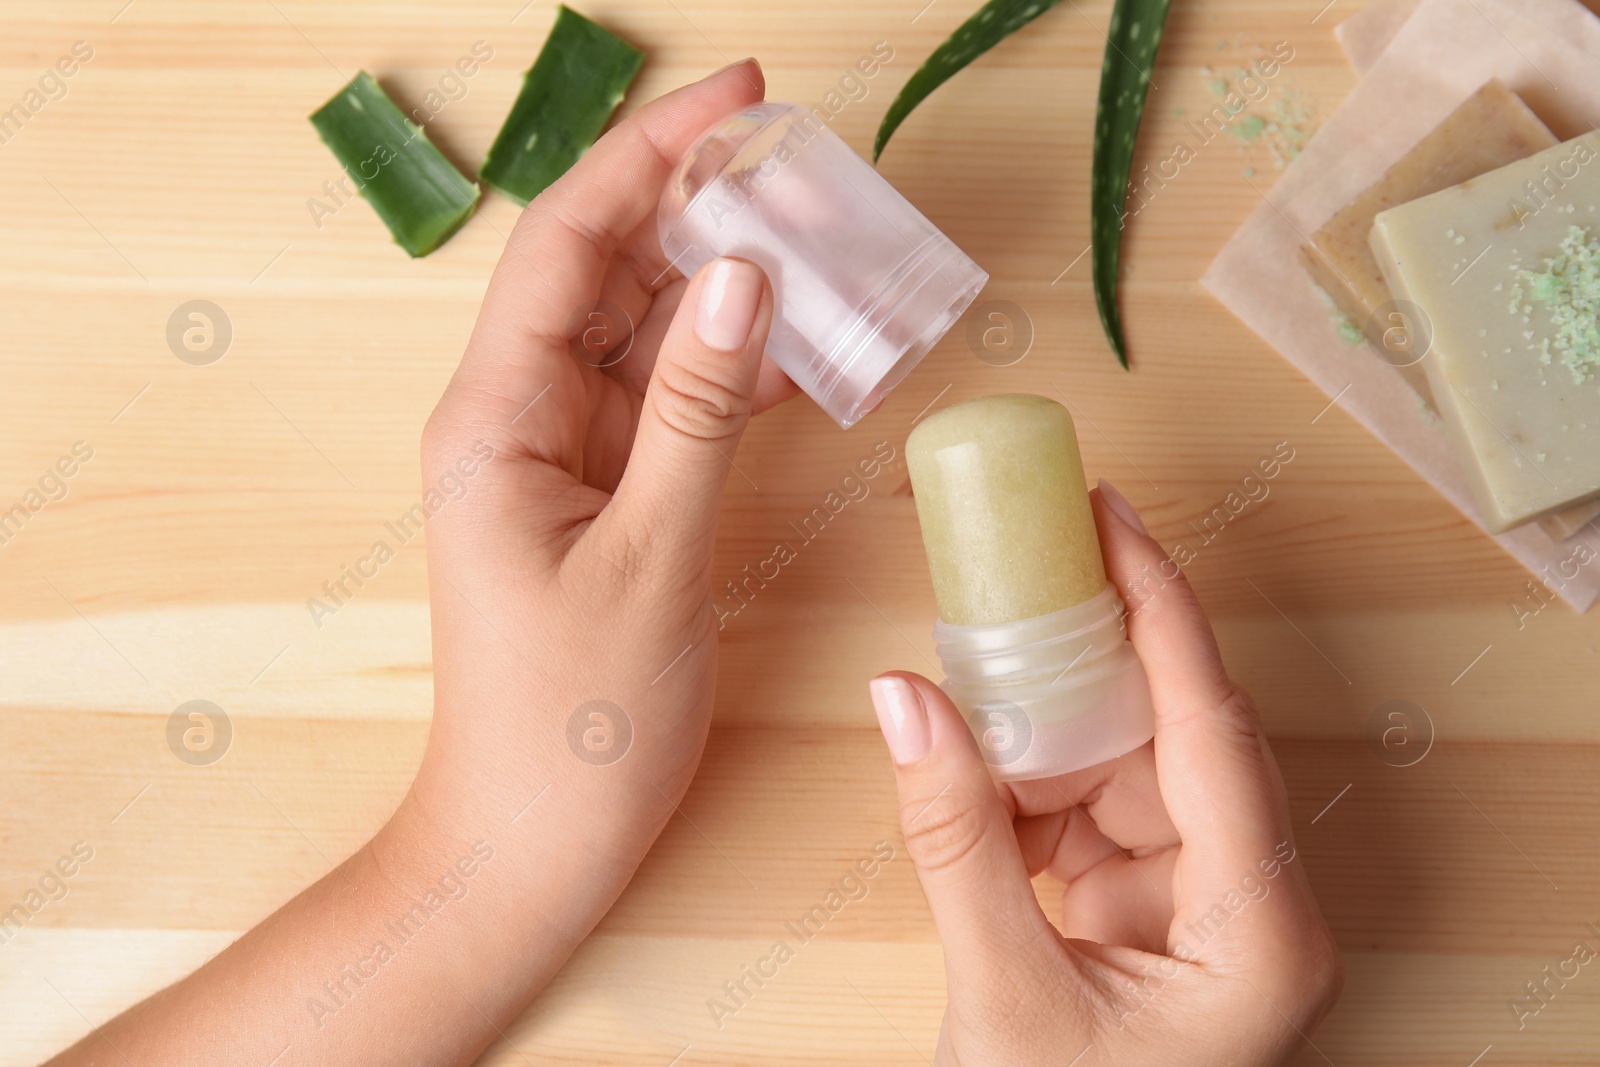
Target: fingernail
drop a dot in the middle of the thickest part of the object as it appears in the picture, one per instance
(735, 63)
(901, 717)
(1119, 504)
(728, 300)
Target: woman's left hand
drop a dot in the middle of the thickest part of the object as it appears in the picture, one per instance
(574, 635)
(571, 511)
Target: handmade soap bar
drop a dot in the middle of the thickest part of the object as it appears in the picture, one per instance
(1505, 269)
(1005, 516)
(1491, 128)
(1562, 524)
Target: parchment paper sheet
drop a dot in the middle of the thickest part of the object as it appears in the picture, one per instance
(1365, 35)
(1436, 59)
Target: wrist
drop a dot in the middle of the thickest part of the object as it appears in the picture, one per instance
(485, 901)
(560, 851)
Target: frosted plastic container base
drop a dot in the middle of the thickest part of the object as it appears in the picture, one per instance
(1051, 694)
(939, 302)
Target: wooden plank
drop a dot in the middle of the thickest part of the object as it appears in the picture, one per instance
(179, 166)
(834, 1002)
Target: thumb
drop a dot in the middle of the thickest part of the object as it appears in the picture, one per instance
(695, 410)
(958, 833)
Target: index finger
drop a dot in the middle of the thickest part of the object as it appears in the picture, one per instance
(1218, 780)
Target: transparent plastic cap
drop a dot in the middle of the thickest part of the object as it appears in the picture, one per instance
(1050, 694)
(864, 285)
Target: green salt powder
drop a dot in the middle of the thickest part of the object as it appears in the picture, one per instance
(1569, 289)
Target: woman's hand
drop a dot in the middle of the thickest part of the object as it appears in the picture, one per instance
(571, 512)
(574, 637)
(1191, 934)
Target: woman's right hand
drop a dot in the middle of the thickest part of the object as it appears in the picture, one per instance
(1191, 933)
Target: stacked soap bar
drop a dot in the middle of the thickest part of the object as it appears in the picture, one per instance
(1491, 128)
(1505, 269)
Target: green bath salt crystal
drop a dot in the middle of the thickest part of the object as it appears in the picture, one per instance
(577, 81)
(1005, 515)
(1248, 127)
(415, 190)
(1569, 288)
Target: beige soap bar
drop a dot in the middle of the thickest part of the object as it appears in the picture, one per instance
(1501, 268)
(1562, 524)
(1491, 128)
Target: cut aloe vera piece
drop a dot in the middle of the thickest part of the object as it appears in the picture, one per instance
(1130, 55)
(574, 85)
(1131, 44)
(989, 25)
(417, 193)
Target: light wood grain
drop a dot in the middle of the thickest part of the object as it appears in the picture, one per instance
(178, 166)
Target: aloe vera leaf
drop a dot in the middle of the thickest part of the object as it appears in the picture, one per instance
(577, 81)
(1131, 43)
(417, 193)
(991, 24)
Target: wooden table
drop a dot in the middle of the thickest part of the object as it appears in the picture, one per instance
(219, 498)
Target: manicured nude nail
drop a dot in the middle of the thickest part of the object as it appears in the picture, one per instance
(735, 63)
(901, 717)
(1120, 507)
(728, 299)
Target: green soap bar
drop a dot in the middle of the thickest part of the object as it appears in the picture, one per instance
(417, 193)
(1004, 511)
(574, 85)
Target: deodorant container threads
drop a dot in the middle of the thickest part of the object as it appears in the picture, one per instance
(864, 285)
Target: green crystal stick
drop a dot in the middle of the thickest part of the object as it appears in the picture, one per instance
(1005, 516)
